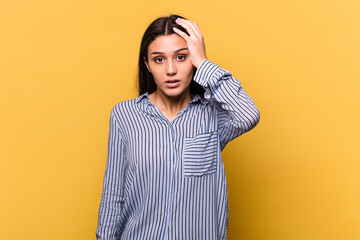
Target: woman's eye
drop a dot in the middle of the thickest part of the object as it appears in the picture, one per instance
(158, 59)
(181, 57)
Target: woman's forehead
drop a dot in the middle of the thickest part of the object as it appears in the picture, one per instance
(167, 43)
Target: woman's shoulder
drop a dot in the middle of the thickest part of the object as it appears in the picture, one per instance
(125, 105)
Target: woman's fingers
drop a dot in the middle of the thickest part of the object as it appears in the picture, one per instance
(195, 41)
(189, 26)
(181, 33)
(198, 28)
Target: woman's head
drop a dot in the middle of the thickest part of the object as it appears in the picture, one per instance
(160, 29)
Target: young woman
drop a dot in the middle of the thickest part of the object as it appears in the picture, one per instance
(164, 177)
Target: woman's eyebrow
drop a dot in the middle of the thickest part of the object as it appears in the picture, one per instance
(174, 51)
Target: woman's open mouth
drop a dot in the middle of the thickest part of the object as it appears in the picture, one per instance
(172, 83)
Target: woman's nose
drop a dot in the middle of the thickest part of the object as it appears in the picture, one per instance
(170, 68)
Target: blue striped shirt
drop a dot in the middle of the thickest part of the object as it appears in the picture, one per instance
(166, 180)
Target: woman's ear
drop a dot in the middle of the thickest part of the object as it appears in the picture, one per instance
(147, 64)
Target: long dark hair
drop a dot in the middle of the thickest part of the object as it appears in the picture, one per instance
(159, 27)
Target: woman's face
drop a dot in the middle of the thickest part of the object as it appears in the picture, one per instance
(170, 64)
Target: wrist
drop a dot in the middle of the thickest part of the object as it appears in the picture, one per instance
(198, 62)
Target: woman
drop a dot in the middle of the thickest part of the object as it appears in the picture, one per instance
(164, 177)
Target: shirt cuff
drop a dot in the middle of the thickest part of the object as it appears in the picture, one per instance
(204, 72)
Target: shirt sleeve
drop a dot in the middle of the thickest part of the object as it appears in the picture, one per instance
(112, 194)
(236, 111)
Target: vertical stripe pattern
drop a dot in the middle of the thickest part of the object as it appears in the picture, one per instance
(166, 180)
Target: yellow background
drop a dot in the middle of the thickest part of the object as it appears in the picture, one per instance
(65, 64)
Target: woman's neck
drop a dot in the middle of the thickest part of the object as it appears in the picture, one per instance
(170, 106)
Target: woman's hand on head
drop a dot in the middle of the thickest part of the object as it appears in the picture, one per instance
(195, 41)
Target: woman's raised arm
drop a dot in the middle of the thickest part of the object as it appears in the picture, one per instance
(237, 112)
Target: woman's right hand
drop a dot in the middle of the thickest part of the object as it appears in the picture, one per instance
(195, 41)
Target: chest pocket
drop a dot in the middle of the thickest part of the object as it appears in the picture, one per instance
(200, 154)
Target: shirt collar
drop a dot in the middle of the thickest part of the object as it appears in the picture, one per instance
(141, 97)
(144, 99)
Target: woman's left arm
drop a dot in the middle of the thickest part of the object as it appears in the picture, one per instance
(236, 110)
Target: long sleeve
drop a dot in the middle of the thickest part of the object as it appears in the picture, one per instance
(112, 195)
(237, 112)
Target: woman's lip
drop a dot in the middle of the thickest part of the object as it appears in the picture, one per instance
(172, 83)
(172, 80)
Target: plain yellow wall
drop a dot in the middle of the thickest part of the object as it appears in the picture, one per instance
(65, 64)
